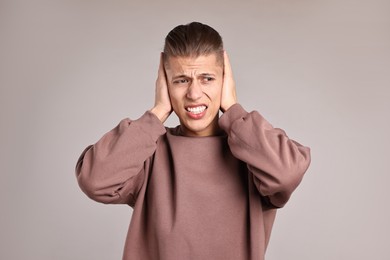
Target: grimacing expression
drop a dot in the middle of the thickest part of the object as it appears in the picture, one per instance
(195, 87)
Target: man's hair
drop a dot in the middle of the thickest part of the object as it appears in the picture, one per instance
(193, 40)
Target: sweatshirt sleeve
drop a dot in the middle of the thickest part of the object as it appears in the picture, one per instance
(276, 162)
(113, 169)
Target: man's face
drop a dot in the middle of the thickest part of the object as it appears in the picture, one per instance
(195, 86)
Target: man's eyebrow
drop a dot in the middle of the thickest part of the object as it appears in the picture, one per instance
(180, 76)
(207, 74)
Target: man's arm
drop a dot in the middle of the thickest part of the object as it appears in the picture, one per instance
(277, 162)
(112, 170)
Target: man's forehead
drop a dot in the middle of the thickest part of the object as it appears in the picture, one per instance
(202, 64)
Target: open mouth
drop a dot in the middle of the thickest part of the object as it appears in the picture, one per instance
(196, 110)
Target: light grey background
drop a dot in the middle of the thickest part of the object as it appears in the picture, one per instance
(71, 70)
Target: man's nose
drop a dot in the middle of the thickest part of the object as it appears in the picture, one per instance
(194, 91)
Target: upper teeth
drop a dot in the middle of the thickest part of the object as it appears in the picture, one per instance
(196, 110)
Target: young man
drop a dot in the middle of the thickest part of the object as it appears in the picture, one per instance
(209, 188)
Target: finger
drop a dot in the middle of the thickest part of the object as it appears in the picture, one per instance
(227, 67)
(162, 77)
(161, 72)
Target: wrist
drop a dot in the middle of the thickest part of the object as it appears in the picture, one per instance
(160, 113)
(227, 106)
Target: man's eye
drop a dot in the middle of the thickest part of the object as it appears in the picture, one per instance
(207, 79)
(181, 81)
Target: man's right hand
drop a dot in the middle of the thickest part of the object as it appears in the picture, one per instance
(162, 104)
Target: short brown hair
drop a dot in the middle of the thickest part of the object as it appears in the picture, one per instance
(193, 40)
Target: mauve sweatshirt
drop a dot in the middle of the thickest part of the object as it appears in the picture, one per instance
(195, 198)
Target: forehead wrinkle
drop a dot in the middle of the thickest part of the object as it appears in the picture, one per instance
(192, 67)
(196, 70)
(194, 74)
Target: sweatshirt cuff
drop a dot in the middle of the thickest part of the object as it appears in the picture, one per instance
(234, 113)
(149, 123)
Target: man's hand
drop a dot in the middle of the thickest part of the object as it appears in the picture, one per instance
(162, 104)
(229, 96)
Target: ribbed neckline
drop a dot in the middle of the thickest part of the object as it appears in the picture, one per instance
(176, 131)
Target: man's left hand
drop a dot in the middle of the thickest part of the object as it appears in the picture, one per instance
(229, 96)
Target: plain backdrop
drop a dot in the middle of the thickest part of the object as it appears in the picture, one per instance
(71, 70)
